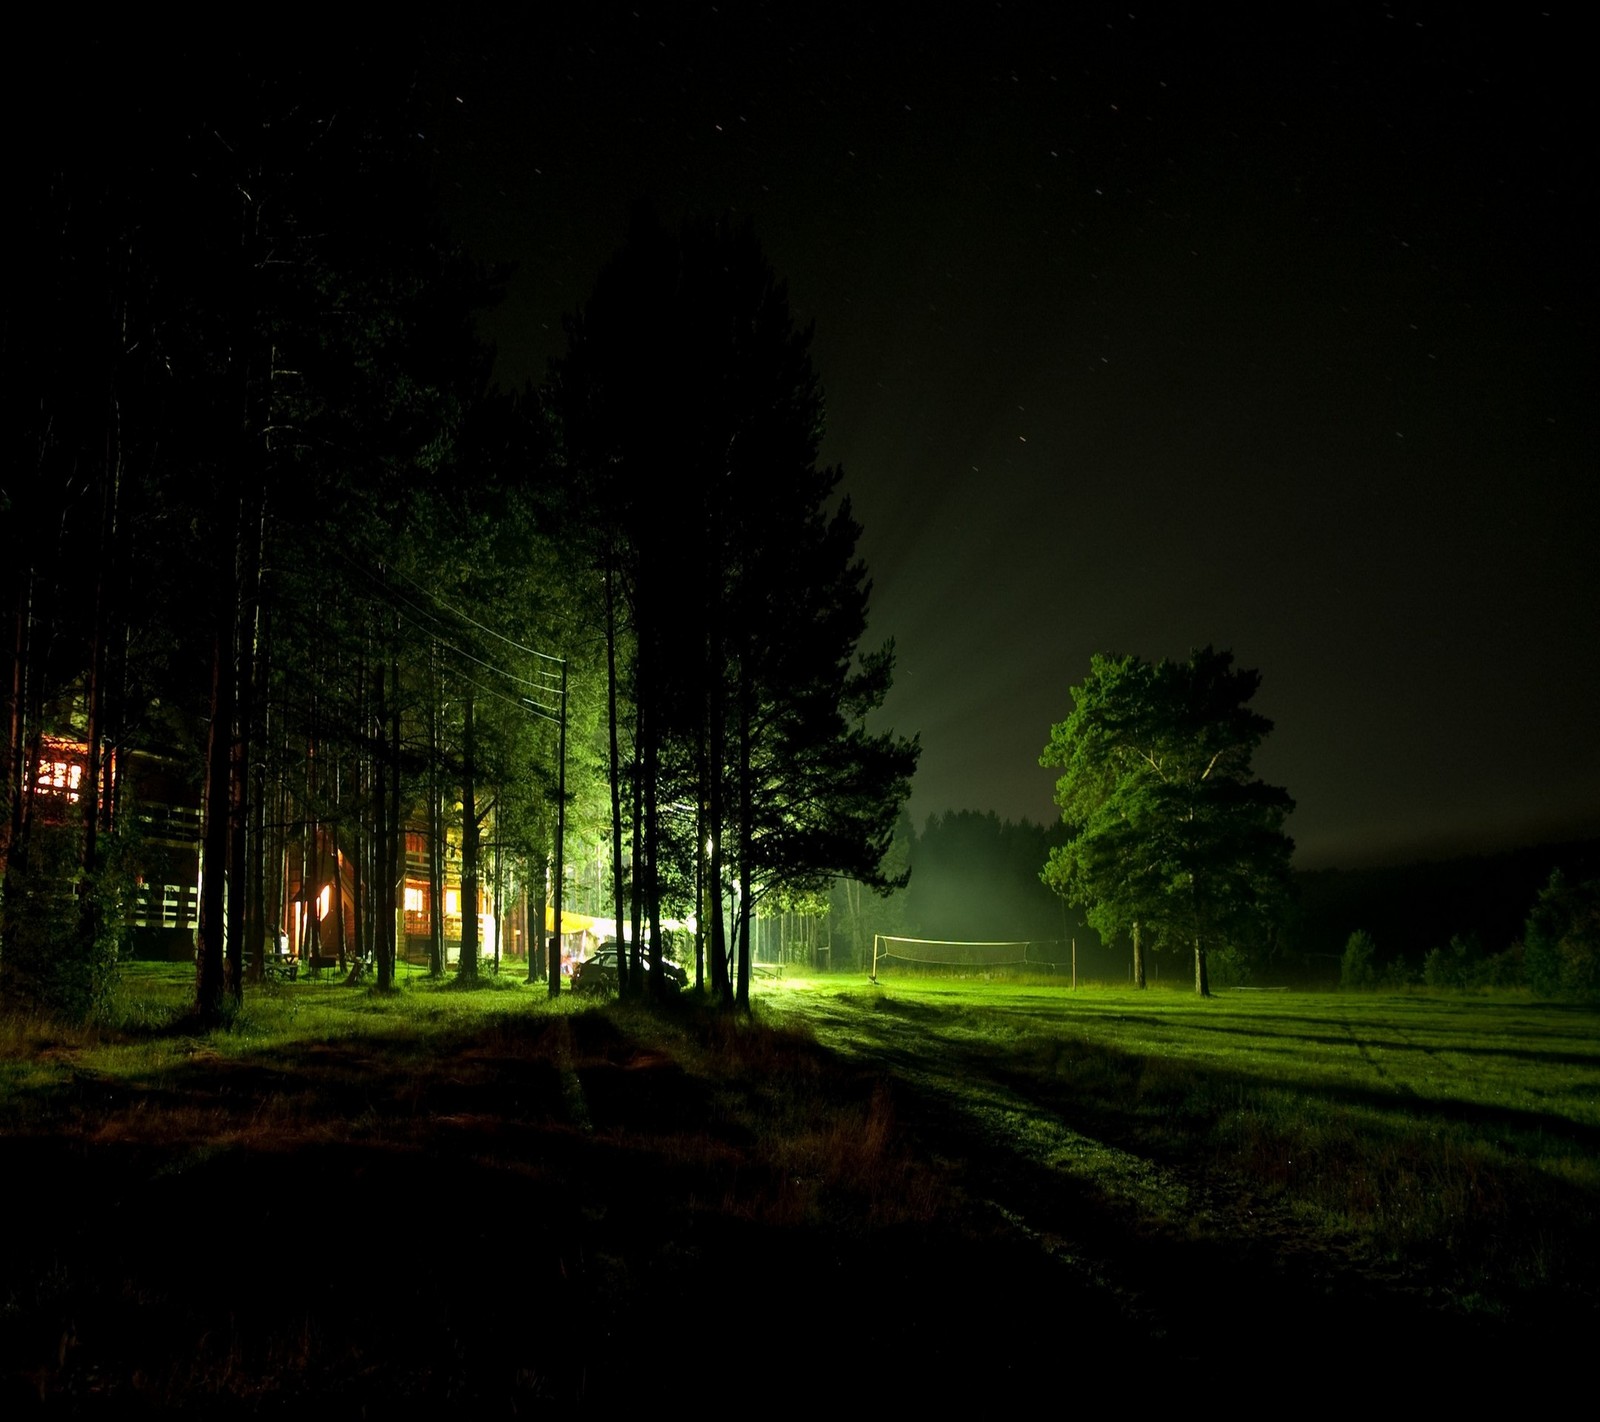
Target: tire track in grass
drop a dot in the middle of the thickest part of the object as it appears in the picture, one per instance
(959, 1106)
(963, 1083)
(1361, 1047)
(1005, 1120)
(1162, 1245)
(1412, 1044)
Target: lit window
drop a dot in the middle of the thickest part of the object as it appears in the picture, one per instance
(59, 777)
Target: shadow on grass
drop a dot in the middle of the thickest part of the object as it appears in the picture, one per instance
(595, 1207)
(398, 1223)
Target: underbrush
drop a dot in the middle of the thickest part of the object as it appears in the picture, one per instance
(640, 1154)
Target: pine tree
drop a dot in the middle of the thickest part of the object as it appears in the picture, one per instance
(693, 417)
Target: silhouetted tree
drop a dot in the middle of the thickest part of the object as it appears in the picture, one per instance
(692, 417)
(1561, 943)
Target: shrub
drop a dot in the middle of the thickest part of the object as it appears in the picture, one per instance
(1454, 966)
(1401, 972)
(1231, 967)
(1503, 970)
(1357, 969)
(1562, 939)
(64, 927)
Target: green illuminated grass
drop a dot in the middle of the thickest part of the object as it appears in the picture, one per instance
(1453, 1135)
(372, 1197)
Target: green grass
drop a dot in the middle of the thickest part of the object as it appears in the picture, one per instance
(1453, 1135)
(456, 1196)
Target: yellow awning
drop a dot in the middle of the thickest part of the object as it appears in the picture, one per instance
(575, 922)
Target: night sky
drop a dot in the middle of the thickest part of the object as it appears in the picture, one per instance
(1141, 333)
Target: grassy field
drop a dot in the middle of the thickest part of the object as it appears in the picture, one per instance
(487, 1203)
(1455, 1135)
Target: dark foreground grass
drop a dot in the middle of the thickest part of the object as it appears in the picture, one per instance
(486, 1204)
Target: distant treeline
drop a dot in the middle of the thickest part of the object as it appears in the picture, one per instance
(1411, 908)
(976, 876)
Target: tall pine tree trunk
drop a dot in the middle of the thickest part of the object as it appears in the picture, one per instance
(338, 902)
(435, 819)
(13, 786)
(257, 908)
(251, 544)
(388, 940)
(652, 848)
(616, 773)
(541, 912)
(635, 968)
(721, 982)
(746, 846)
(700, 897)
(467, 969)
(88, 904)
(209, 984)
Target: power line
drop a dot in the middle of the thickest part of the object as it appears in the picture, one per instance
(545, 680)
(522, 703)
(531, 651)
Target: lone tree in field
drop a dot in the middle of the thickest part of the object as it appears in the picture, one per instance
(1169, 832)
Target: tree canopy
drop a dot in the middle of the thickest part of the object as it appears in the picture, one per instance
(1169, 831)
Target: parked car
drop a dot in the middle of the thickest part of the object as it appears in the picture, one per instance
(598, 972)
